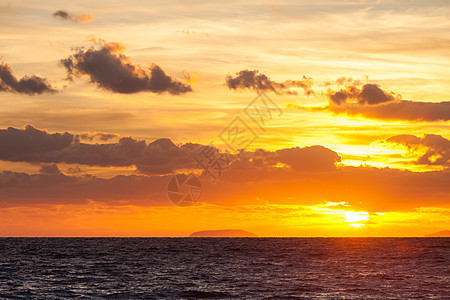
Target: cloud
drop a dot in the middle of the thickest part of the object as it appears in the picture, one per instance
(259, 82)
(30, 85)
(32, 145)
(191, 32)
(29, 143)
(372, 101)
(66, 16)
(303, 176)
(49, 169)
(363, 188)
(161, 156)
(110, 70)
(309, 159)
(373, 94)
(398, 110)
(432, 149)
(17, 189)
(74, 171)
(369, 94)
(88, 136)
(347, 81)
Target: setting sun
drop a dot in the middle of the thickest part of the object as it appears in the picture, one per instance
(356, 219)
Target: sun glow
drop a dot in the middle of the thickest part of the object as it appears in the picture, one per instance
(356, 219)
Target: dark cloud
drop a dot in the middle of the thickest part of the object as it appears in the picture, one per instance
(30, 85)
(369, 94)
(371, 101)
(161, 156)
(66, 16)
(295, 175)
(74, 171)
(373, 94)
(38, 146)
(309, 159)
(288, 176)
(61, 14)
(366, 188)
(397, 110)
(17, 189)
(109, 69)
(437, 148)
(29, 143)
(259, 82)
(49, 169)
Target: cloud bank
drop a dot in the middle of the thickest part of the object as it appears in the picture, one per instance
(297, 175)
(32, 145)
(161, 156)
(366, 188)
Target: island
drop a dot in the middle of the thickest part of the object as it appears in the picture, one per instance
(223, 233)
(445, 233)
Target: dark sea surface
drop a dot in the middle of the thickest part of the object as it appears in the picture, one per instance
(222, 268)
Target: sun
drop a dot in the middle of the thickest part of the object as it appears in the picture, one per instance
(356, 219)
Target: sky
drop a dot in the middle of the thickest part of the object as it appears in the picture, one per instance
(282, 118)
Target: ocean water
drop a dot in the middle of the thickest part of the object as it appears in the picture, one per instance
(223, 268)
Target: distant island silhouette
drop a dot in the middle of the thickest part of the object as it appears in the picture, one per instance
(445, 233)
(223, 233)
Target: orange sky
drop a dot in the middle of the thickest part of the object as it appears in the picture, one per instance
(354, 117)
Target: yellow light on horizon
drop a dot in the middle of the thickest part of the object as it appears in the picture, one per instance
(356, 219)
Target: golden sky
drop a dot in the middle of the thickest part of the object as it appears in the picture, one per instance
(103, 102)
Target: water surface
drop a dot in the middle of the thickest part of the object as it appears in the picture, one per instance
(193, 268)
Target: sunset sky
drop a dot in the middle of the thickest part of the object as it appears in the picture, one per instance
(103, 102)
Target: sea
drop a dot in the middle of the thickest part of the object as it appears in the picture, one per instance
(225, 268)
